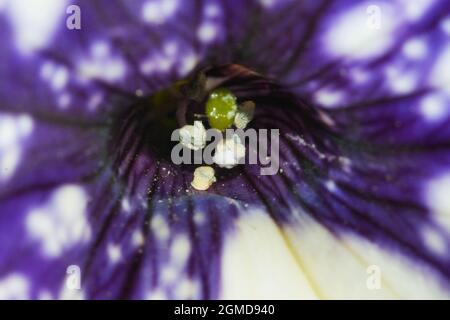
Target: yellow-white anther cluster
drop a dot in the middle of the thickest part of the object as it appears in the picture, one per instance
(193, 137)
(203, 178)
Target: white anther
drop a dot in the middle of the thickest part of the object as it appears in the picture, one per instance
(229, 152)
(203, 178)
(244, 114)
(193, 137)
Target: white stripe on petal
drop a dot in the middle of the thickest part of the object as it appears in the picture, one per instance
(257, 263)
(263, 261)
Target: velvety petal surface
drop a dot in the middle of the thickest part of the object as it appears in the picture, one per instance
(362, 111)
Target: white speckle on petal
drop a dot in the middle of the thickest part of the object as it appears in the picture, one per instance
(170, 48)
(45, 295)
(187, 63)
(359, 76)
(328, 98)
(100, 49)
(114, 70)
(186, 289)
(212, 10)
(170, 56)
(401, 81)
(59, 78)
(56, 76)
(445, 25)
(169, 275)
(64, 100)
(349, 35)
(137, 238)
(346, 164)
(109, 68)
(8, 131)
(148, 66)
(61, 222)
(34, 22)
(207, 32)
(25, 125)
(331, 185)
(440, 77)
(114, 253)
(47, 70)
(164, 63)
(9, 161)
(416, 8)
(199, 217)
(267, 3)
(151, 14)
(14, 287)
(126, 205)
(101, 64)
(157, 294)
(94, 101)
(158, 11)
(434, 107)
(180, 249)
(160, 228)
(415, 48)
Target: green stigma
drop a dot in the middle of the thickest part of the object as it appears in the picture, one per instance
(221, 108)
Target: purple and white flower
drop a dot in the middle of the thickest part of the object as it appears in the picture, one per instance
(360, 93)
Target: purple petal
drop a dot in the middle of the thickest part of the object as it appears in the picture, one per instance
(364, 151)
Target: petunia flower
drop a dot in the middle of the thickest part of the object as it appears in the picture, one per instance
(359, 208)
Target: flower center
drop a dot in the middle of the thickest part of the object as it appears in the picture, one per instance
(212, 99)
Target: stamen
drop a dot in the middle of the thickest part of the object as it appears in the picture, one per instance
(203, 178)
(244, 114)
(193, 137)
(229, 152)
